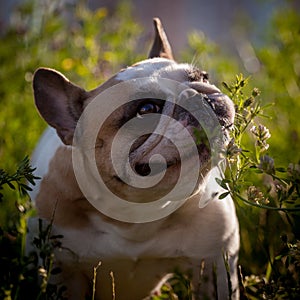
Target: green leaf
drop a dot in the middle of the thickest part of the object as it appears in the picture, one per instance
(11, 185)
(222, 183)
(224, 195)
(229, 89)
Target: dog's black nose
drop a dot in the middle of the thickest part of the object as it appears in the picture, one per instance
(142, 169)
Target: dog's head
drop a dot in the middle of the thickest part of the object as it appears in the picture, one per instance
(162, 89)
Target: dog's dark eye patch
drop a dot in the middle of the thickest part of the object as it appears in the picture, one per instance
(140, 107)
(195, 74)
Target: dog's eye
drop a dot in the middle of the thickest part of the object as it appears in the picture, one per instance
(148, 108)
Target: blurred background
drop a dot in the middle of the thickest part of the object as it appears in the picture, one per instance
(229, 23)
(88, 41)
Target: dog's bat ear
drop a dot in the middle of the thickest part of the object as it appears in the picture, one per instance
(59, 101)
(161, 46)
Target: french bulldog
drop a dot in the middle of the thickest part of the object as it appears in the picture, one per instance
(201, 240)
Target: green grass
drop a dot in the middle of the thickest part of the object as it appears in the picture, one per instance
(264, 182)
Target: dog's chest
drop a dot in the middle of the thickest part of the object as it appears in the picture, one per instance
(186, 234)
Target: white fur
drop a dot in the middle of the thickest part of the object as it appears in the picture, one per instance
(42, 156)
(151, 68)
